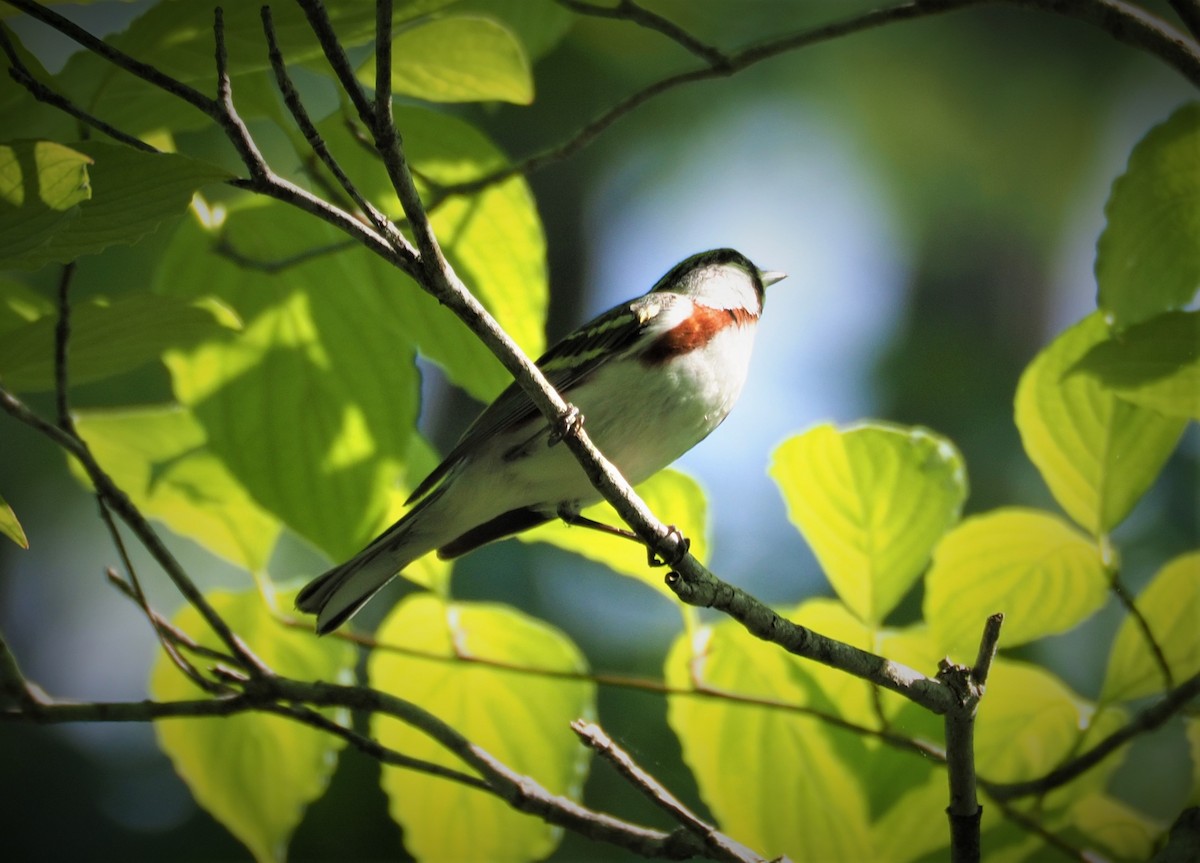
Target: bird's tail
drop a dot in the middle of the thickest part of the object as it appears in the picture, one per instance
(336, 595)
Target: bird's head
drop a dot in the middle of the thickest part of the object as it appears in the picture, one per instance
(720, 279)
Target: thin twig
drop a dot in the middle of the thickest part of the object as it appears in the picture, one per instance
(279, 694)
(132, 516)
(322, 27)
(720, 845)
(629, 11)
(62, 342)
(372, 748)
(1143, 721)
(1028, 822)
(224, 248)
(1127, 602)
(291, 98)
(987, 650)
(1124, 21)
(44, 94)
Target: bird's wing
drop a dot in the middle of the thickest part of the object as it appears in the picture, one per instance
(566, 364)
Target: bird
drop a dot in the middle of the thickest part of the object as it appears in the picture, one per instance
(651, 378)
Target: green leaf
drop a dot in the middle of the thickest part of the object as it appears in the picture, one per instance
(671, 494)
(313, 406)
(10, 527)
(20, 306)
(41, 185)
(1035, 568)
(177, 38)
(902, 834)
(1028, 722)
(521, 719)
(540, 24)
(1170, 605)
(1097, 452)
(871, 501)
(816, 808)
(254, 773)
(43, 173)
(1116, 829)
(109, 337)
(158, 456)
(1155, 364)
(457, 59)
(1146, 261)
(493, 239)
(132, 194)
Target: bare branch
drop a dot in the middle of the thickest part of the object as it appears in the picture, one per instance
(630, 11)
(44, 94)
(1127, 602)
(120, 503)
(1124, 21)
(62, 339)
(721, 846)
(696, 585)
(964, 810)
(295, 106)
(1146, 720)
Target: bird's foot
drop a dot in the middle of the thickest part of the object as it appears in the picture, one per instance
(567, 424)
(682, 546)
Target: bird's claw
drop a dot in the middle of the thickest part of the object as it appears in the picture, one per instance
(567, 423)
(682, 546)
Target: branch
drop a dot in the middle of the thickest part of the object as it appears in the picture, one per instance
(125, 509)
(1130, 606)
(964, 810)
(629, 11)
(722, 847)
(1125, 22)
(1146, 720)
(294, 699)
(20, 73)
(696, 585)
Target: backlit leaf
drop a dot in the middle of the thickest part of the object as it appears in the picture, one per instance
(1155, 364)
(255, 773)
(871, 500)
(110, 336)
(158, 457)
(1097, 452)
(41, 184)
(494, 240)
(521, 719)
(457, 59)
(1045, 577)
(816, 808)
(1170, 605)
(10, 527)
(1028, 722)
(312, 407)
(1146, 260)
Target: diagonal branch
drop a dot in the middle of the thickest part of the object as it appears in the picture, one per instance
(1146, 720)
(44, 94)
(721, 846)
(1125, 22)
(628, 10)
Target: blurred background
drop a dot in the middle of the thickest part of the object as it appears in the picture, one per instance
(934, 189)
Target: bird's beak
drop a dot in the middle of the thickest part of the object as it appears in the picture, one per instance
(770, 277)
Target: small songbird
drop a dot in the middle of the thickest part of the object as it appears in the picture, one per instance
(652, 378)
